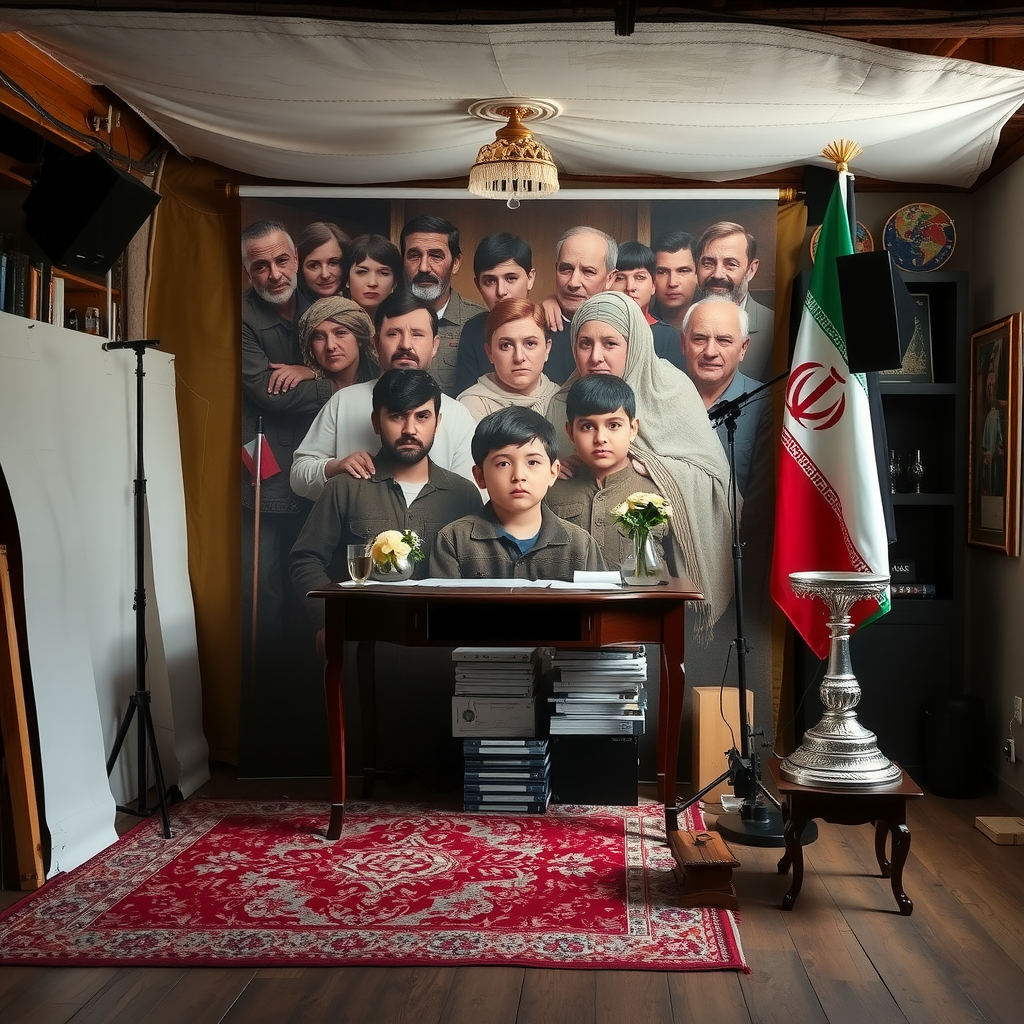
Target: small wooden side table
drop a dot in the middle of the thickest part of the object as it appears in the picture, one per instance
(852, 805)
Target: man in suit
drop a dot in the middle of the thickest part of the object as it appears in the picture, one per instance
(431, 256)
(726, 264)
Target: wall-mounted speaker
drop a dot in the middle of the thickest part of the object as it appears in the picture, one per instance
(878, 311)
(82, 211)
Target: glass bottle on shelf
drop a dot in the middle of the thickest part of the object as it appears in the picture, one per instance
(894, 469)
(915, 471)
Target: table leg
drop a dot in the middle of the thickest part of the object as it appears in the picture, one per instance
(900, 850)
(662, 722)
(795, 855)
(366, 669)
(673, 685)
(334, 690)
(881, 834)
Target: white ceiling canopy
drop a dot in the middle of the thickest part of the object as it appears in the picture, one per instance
(350, 103)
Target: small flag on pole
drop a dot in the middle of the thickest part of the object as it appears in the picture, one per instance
(268, 464)
(829, 514)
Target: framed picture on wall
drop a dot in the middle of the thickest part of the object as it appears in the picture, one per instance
(993, 507)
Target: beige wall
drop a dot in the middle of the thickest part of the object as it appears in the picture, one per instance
(995, 584)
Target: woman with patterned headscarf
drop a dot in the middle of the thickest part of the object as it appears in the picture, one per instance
(676, 442)
(336, 342)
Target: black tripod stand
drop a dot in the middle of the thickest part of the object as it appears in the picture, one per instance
(757, 823)
(140, 701)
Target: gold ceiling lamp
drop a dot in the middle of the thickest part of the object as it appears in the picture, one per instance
(516, 165)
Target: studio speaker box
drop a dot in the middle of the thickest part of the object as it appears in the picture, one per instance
(878, 311)
(82, 211)
(819, 183)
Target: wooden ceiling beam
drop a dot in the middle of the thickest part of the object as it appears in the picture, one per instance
(63, 105)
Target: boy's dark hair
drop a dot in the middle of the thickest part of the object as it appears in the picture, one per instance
(674, 241)
(636, 256)
(512, 425)
(429, 224)
(403, 390)
(400, 302)
(599, 394)
(498, 248)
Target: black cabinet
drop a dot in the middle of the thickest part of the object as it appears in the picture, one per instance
(916, 652)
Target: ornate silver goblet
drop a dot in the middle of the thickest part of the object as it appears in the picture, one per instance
(839, 751)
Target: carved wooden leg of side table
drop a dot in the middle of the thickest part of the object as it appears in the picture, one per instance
(793, 858)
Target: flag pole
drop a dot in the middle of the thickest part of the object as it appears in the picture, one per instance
(258, 484)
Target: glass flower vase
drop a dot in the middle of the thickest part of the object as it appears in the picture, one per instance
(643, 566)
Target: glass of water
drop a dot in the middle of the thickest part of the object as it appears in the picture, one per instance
(360, 562)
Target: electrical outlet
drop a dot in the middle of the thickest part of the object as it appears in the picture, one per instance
(1017, 711)
(1010, 751)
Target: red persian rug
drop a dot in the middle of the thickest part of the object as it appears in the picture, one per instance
(256, 883)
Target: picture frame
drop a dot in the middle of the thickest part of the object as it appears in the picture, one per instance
(993, 451)
(918, 367)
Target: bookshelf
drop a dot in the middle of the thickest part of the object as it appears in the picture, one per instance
(916, 652)
(80, 290)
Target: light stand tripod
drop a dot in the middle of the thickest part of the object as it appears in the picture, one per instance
(140, 700)
(757, 823)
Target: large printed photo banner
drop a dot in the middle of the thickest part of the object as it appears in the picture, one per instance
(303, 380)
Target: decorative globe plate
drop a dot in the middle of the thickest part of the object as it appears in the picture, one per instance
(920, 236)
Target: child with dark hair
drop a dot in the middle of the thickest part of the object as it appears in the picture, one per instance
(635, 274)
(514, 535)
(502, 269)
(601, 423)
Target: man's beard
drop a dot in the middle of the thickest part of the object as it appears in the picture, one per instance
(726, 288)
(408, 457)
(429, 292)
(278, 299)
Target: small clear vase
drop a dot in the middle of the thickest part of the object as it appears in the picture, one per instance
(643, 567)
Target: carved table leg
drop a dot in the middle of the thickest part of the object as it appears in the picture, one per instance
(334, 691)
(881, 833)
(900, 850)
(795, 855)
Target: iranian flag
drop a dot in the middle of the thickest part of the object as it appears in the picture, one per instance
(829, 512)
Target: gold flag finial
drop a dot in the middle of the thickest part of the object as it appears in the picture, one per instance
(842, 152)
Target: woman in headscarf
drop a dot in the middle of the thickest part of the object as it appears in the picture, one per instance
(676, 442)
(336, 341)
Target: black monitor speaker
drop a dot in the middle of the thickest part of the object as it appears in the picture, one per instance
(878, 311)
(819, 183)
(82, 211)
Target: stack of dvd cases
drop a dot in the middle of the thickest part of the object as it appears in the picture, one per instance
(507, 775)
(599, 693)
(495, 691)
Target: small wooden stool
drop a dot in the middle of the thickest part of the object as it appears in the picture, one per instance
(851, 805)
(703, 869)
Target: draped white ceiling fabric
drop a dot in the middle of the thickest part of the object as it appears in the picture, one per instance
(352, 103)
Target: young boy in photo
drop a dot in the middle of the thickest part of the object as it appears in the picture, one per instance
(517, 346)
(635, 274)
(601, 423)
(514, 535)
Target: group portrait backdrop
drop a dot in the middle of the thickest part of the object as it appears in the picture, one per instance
(283, 728)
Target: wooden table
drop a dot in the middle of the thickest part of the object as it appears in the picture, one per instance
(849, 805)
(451, 616)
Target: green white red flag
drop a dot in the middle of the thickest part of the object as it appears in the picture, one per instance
(829, 514)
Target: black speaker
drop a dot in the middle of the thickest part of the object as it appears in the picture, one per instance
(82, 211)
(878, 311)
(819, 183)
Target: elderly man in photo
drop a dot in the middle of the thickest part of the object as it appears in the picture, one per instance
(715, 342)
(431, 257)
(341, 437)
(585, 261)
(726, 264)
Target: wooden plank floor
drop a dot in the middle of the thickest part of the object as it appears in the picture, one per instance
(843, 955)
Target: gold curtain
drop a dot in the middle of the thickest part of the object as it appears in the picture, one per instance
(789, 243)
(193, 309)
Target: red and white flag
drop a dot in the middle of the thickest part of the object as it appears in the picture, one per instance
(268, 464)
(829, 514)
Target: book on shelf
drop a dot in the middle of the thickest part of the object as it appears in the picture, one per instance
(919, 590)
